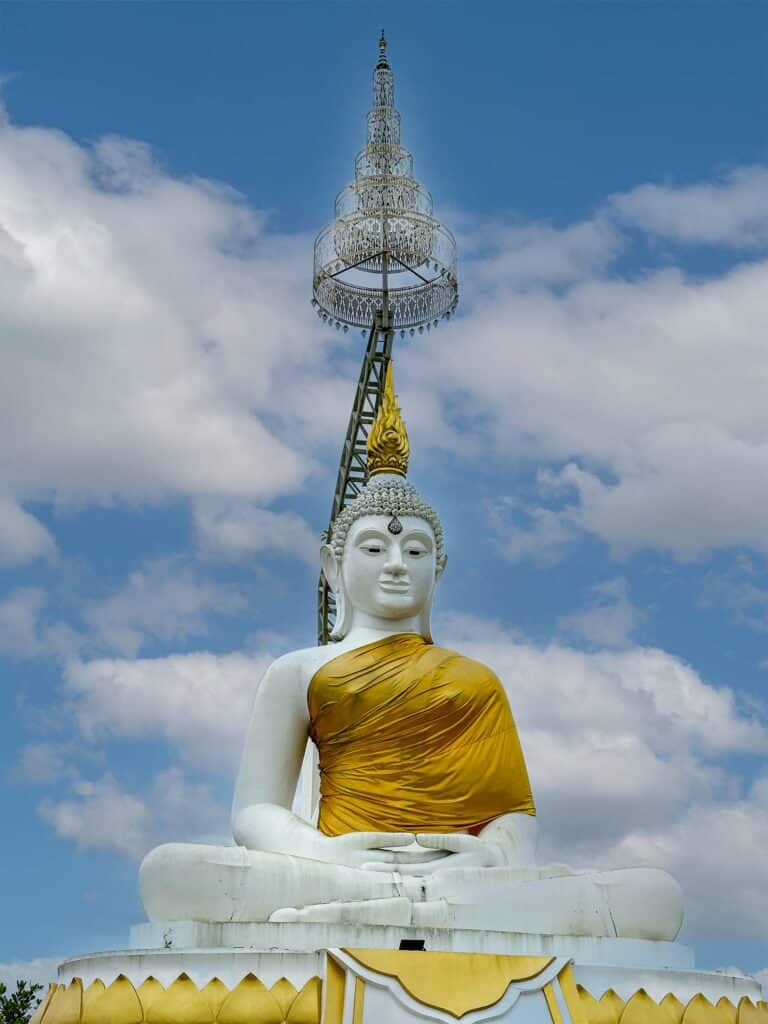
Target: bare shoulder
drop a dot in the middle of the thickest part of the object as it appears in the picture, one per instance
(295, 668)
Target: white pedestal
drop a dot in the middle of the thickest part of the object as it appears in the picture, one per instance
(212, 961)
(296, 951)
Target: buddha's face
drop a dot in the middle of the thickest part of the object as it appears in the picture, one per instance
(388, 575)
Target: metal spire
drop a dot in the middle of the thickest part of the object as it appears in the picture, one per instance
(383, 226)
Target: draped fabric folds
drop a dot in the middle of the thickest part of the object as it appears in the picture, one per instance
(414, 738)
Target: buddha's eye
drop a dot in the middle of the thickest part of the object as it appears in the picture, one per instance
(416, 552)
(372, 549)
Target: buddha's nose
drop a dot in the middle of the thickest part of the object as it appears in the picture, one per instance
(395, 563)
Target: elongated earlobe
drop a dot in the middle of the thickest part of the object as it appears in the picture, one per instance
(331, 567)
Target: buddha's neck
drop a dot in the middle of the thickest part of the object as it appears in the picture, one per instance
(367, 628)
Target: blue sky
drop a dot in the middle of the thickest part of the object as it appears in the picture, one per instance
(592, 426)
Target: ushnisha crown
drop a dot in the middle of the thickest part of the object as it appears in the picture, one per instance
(388, 446)
(387, 493)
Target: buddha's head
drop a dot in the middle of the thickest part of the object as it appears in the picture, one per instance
(385, 553)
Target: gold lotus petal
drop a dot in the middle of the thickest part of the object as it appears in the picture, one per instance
(94, 991)
(700, 1011)
(118, 1004)
(672, 1007)
(149, 991)
(250, 1002)
(595, 1011)
(67, 1004)
(181, 1003)
(306, 1006)
(641, 1009)
(728, 1010)
(614, 1003)
(43, 1005)
(285, 993)
(748, 1013)
(215, 992)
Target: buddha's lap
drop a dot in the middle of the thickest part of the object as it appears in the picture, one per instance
(196, 882)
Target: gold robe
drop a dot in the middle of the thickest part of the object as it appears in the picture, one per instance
(413, 738)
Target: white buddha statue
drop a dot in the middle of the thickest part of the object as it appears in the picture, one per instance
(426, 815)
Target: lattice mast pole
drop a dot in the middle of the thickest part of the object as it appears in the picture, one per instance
(383, 225)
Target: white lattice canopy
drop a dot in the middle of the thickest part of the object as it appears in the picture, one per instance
(384, 226)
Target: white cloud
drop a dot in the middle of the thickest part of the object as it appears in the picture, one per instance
(731, 211)
(163, 601)
(46, 762)
(669, 499)
(609, 620)
(199, 702)
(233, 530)
(100, 814)
(41, 971)
(150, 326)
(22, 537)
(529, 531)
(19, 614)
(629, 755)
(717, 852)
(532, 254)
(736, 591)
(644, 398)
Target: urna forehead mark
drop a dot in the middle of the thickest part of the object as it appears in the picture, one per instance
(395, 526)
(380, 526)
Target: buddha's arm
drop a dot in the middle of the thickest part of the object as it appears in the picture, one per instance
(270, 766)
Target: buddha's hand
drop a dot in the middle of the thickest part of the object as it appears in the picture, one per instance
(456, 850)
(359, 849)
(440, 851)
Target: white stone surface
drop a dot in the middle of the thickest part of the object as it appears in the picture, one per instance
(189, 937)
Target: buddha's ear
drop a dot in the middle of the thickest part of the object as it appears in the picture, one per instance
(331, 566)
(440, 567)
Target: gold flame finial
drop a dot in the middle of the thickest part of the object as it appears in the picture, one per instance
(388, 447)
(382, 44)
